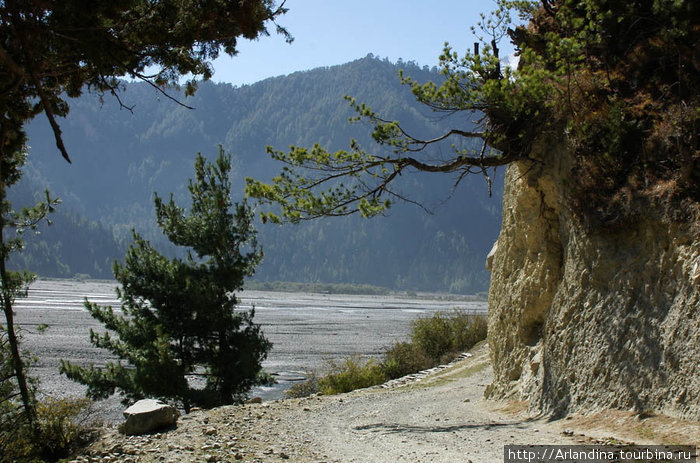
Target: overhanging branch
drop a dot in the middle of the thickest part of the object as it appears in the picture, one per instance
(48, 110)
(455, 165)
(161, 91)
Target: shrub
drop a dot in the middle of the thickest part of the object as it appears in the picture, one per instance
(432, 335)
(350, 374)
(64, 425)
(14, 425)
(434, 340)
(443, 336)
(305, 388)
(403, 359)
(467, 330)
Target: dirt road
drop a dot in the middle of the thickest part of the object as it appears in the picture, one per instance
(440, 418)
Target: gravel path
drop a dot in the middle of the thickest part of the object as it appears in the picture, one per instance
(439, 417)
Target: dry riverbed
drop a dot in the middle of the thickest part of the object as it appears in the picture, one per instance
(439, 418)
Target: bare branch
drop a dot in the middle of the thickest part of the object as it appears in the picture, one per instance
(489, 180)
(417, 141)
(456, 164)
(342, 173)
(47, 109)
(114, 91)
(161, 91)
(11, 396)
(410, 201)
(424, 143)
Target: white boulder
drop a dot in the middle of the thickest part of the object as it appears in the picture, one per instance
(148, 415)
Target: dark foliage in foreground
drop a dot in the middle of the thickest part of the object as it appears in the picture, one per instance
(179, 322)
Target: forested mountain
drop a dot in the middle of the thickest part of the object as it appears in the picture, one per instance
(72, 246)
(122, 156)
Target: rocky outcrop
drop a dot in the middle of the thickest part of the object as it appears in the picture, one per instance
(148, 415)
(587, 319)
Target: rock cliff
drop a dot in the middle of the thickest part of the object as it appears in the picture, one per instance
(582, 319)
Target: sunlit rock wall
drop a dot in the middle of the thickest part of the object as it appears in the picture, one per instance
(582, 320)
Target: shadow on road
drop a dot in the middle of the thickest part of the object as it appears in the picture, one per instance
(414, 429)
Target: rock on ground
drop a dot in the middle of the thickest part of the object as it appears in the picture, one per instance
(148, 415)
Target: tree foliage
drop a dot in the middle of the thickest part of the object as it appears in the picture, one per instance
(178, 331)
(624, 87)
(50, 50)
(617, 79)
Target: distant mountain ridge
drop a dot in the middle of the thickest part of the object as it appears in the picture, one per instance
(121, 157)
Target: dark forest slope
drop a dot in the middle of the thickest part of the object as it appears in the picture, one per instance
(121, 157)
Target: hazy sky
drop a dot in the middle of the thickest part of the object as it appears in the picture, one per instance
(329, 32)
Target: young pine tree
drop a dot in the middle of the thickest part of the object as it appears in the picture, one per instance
(178, 333)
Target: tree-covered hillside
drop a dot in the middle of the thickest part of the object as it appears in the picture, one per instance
(122, 156)
(72, 246)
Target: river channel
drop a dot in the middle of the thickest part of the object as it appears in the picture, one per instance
(306, 329)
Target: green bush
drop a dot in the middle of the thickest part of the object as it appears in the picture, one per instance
(350, 374)
(444, 335)
(434, 340)
(432, 335)
(403, 359)
(329, 288)
(14, 426)
(64, 425)
(305, 388)
(468, 330)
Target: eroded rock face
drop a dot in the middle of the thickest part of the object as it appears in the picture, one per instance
(148, 415)
(581, 320)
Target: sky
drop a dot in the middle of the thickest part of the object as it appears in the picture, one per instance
(330, 32)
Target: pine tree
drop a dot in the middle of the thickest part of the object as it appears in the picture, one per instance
(179, 333)
(617, 80)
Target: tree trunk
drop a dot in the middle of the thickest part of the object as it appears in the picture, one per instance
(6, 298)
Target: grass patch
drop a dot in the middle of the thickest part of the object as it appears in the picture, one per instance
(434, 340)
